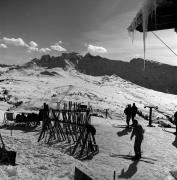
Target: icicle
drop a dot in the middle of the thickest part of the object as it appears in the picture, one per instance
(147, 9)
(131, 35)
(144, 44)
(145, 25)
(131, 31)
(155, 7)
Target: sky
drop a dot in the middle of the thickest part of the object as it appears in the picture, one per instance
(30, 29)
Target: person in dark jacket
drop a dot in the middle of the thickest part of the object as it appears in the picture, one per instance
(138, 132)
(128, 113)
(134, 111)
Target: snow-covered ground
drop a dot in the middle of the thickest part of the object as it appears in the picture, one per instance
(39, 161)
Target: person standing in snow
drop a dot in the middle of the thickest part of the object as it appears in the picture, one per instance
(175, 121)
(128, 113)
(138, 132)
(134, 111)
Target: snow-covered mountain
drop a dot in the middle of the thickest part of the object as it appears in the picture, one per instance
(32, 84)
(156, 76)
(48, 79)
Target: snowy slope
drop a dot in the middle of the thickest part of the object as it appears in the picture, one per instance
(37, 161)
(113, 93)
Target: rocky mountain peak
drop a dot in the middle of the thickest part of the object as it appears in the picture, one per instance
(157, 76)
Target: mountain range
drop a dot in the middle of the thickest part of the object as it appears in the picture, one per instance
(156, 76)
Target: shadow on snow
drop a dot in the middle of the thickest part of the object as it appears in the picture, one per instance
(124, 132)
(132, 169)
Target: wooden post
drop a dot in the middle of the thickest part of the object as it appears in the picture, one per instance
(114, 177)
(106, 113)
(150, 116)
(11, 129)
(150, 113)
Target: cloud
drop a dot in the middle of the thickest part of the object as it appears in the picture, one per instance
(44, 50)
(15, 41)
(33, 44)
(57, 47)
(32, 49)
(96, 49)
(3, 46)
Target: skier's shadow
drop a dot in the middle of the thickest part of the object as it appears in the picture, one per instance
(175, 142)
(132, 169)
(124, 132)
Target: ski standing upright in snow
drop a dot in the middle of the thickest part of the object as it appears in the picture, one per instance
(175, 121)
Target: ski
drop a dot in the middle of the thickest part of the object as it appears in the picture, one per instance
(136, 160)
(131, 157)
(119, 126)
(168, 131)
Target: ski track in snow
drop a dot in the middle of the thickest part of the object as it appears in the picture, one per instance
(38, 161)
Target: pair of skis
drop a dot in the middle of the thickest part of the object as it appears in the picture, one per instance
(130, 157)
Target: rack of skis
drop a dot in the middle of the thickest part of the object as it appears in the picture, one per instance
(71, 125)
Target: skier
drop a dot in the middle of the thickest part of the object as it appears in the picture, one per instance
(127, 112)
(134, 111)
(175, 121)
(138, 132)
(46, 110)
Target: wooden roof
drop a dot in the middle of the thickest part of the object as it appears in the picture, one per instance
(165, 18)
